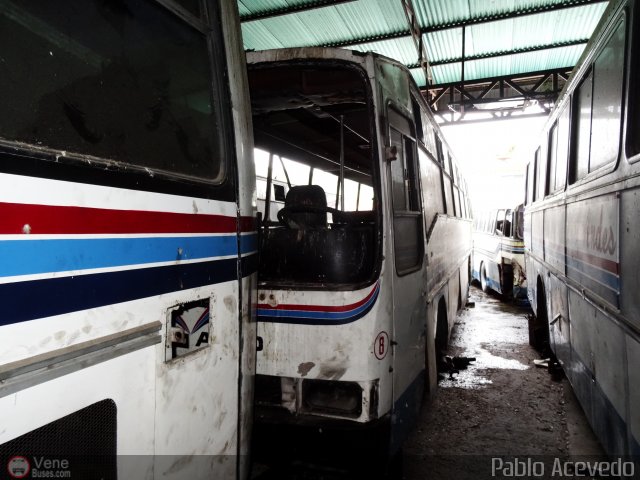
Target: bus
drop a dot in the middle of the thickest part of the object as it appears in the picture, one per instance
(582, 229)
(364, 246)
(128, 242)
(498, 252)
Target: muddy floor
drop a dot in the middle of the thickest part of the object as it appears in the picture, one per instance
(502, 407)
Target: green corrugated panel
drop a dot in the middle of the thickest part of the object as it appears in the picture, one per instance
(372, 19)
(324, 26)
(402, 49)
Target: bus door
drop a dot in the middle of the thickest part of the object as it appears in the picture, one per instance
(409, 280)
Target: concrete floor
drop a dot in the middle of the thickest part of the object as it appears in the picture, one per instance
(502, 405)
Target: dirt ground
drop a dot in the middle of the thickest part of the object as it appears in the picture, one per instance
(501, 406)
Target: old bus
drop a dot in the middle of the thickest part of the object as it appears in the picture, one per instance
(582, 230)
(127, 245)
(365, 243)
(498, 252)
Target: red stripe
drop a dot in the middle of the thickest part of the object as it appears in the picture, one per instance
(603, 263)
(248, 224)
(321, 308)
(47, 219)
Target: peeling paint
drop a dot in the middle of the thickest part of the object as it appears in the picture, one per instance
(305, 367)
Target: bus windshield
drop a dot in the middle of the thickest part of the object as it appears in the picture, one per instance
(315, 174)
(124, 81)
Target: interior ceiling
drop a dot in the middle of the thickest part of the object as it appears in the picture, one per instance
(466, 42)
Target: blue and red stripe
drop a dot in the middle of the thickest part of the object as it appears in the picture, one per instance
(203, 250)
(319, 314)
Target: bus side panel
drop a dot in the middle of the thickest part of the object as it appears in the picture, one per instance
(597, 372)
(448, 247)
(560, 329)
(630, 268)
(537, 234)
(554, 229)
(593, 246)
(633, 358)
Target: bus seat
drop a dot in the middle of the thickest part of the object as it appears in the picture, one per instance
(307, 195)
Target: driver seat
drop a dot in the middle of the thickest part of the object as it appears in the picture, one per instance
(307, 196)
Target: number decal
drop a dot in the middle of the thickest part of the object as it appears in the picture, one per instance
(381, 345)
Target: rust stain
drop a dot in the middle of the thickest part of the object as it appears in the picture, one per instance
(305, 367)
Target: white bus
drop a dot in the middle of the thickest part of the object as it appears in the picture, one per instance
(128, 247)
(364, 257)
(582, 230)
(498, 252)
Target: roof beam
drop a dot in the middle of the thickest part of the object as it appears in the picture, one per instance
(509, 15)
(563, 72)
(516, 51)
(292, 9)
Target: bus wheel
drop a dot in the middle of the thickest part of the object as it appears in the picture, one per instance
(539, 324)
(483, 279)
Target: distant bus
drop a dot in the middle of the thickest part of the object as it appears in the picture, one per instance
(365, 245)
(498, 252)
(128, 246)
(582, 230)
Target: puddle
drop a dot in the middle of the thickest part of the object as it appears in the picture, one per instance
(491, 325)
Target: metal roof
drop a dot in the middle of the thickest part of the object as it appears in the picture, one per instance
(501, 37)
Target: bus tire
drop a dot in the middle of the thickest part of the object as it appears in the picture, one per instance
(539, 323)
(483, 279)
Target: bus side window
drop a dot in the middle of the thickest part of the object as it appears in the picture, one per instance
(535, 177)
(562, 148)
(553, 159)
(582, 129)
(598, 109)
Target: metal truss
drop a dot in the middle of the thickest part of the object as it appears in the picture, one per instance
(500, 98)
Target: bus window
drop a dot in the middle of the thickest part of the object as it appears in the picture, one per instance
(553, 159)
(429, 137)
(431, 187)
(535, 176)
(417, 119)
(297, 173)
(508, 220)
(541, 179)
(562, 148)
(365, 199)
(582, 128)
(607, 100)
(140, 94)
(329, 183)
(499, 229)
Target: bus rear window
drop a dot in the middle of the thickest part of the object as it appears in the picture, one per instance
(121, 80)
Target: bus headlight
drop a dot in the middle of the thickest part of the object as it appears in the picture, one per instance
(327, 396)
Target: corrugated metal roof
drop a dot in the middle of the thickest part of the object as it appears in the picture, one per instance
(502, 37)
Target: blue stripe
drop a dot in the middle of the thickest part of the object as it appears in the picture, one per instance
(22, 301)
(248, 243)
(602, 277)
(25, 257)
(317, 318)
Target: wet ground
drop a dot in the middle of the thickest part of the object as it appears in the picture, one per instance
(502, 405)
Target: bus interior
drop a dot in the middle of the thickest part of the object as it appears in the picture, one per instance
(316, 175)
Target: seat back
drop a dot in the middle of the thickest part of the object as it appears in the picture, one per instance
(307, 195)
